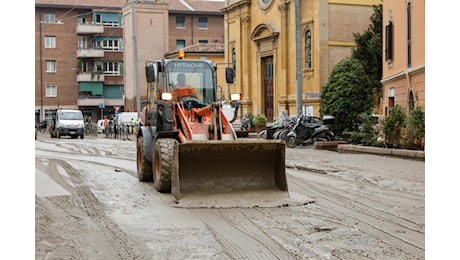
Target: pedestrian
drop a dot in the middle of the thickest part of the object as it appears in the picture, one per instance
(115, 126)
(133, 124)
(106, 127)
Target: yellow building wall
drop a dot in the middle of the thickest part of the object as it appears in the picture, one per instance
(256, 31)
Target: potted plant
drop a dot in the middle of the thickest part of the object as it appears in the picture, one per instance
(260, 122)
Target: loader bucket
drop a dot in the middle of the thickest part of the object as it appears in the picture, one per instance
(233, 173)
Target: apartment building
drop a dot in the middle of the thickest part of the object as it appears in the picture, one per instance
(85, 55)
(260, 40)
(403, 79)
(78, 57)
(162, 27)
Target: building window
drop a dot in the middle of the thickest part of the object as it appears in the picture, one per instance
(50, 66)
(82, 42)
(108, 44)
(389, 41)
(391, 100)
(180, 44)
(108, 19)
(109, 67)
(180, 22)
(202, 23)
(202, 41)
(234, 60)
(411, 101)
(409, 35)
(49, 18)
(81, 18)
(51, 90)
(50, 42)
(308, 49)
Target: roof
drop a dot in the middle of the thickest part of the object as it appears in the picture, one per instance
(206, 6)
(199, 48)
(195, 5)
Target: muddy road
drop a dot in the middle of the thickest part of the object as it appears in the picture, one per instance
(89, 204)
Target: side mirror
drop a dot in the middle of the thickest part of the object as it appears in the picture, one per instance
(229, 75)
(151, 72)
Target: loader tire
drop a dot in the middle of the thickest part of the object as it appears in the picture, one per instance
(144, 167)
(163, 154)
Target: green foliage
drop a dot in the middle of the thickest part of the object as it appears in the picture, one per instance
(260, 120)
(79, 66)
(369, 49)
(347, 94)
(251, 119)
(363, 138)
(393, 127)
(415, 129)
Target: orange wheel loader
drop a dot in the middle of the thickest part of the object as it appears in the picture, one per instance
(187, 146)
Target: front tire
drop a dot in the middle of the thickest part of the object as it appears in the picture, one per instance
(291, 141)
(163, 157)
(144, 167)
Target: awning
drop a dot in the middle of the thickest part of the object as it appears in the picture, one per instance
(96, 88)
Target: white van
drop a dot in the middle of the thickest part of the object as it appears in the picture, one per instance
(67, 123)
(125, 118)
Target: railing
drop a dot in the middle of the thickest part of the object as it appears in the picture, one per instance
(96, 100)
(89, 28)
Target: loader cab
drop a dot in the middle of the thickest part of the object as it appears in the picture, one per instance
(196, 75)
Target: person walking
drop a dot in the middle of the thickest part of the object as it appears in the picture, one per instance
(133, 124)
(106, 127)
(115, 126)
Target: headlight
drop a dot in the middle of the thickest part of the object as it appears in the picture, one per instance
(166, 96)
(235, 97)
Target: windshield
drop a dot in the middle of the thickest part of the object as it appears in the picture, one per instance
(191, 78)
(71, 116)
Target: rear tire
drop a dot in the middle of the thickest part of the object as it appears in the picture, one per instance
(291, 141)
(144, 167)
(262, 134)
(163, 153)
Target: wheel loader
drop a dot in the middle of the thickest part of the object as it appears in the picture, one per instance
(188, 147)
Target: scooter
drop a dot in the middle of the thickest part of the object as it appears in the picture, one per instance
(309, 130)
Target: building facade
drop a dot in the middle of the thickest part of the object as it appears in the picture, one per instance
(260, 37)
(160, 28)
(85, 55)
(78, 57)
(403, 79)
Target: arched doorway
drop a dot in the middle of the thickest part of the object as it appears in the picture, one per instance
(411, 102)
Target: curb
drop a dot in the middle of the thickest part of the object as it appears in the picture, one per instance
(404, 153)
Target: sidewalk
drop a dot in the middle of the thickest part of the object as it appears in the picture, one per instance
(403, 153)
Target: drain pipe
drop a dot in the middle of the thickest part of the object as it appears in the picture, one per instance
(298, 78)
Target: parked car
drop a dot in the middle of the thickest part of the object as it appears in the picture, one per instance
(100, 126)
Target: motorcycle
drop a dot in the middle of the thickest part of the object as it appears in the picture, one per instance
(309, 130)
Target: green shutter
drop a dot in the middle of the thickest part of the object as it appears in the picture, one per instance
(96, 88)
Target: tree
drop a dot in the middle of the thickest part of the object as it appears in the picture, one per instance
(347, 95)
(369, 50)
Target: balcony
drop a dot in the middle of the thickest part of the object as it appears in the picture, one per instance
(88, 77)
(96, 100)
(90, 53)
(89, 28)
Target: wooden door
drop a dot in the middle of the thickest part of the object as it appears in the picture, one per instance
(267, 65)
